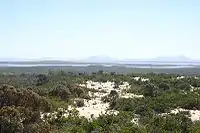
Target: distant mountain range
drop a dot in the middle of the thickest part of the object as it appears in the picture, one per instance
(100, 59)
(174, 59)
(158, 59)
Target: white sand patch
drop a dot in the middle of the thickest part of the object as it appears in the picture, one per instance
(144, 79)
(180, 77)
(107, 87)
(95, 107)
(136, 78)
(135, 121)
(53, 115)
(130, 95)
(97, 94)
(140, 78)
(194, 88)
(194, 114)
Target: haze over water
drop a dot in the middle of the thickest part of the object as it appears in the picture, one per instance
(144, 65)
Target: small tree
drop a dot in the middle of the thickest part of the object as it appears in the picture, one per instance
(149, 90)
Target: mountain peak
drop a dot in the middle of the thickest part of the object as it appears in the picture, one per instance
(173, 58)
(101, 58)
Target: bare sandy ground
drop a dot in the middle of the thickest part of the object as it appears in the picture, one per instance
(95, 107)
(194, 115)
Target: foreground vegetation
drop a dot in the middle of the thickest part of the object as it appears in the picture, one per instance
(24, 97)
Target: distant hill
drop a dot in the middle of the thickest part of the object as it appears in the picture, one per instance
(36, 62)
(166, 59)
(104, 59)
(100, 59)
(173, 59)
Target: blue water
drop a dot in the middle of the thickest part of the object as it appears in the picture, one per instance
(35, 65)
(106, 65)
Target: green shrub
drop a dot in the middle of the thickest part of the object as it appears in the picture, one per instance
(80, 103)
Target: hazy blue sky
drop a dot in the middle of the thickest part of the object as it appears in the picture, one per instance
(116, 28)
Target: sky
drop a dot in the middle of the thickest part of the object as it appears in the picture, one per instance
(76, 29)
